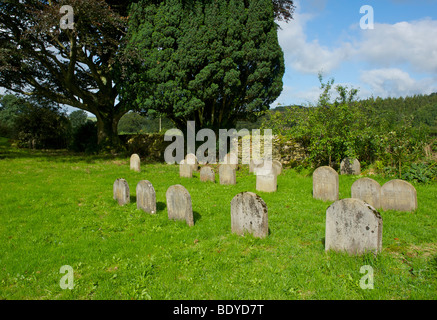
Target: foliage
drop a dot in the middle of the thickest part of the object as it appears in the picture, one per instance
(133, 123)
(84, 138)
(77, 118)
(214, 62)
(10, 108)
(421, 172)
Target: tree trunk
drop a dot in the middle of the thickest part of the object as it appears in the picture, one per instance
(107, 133)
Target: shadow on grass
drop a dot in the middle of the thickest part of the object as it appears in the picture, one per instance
(196, 216)
(160, 206)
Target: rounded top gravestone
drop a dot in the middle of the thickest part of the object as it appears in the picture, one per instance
(207, 174)
(146, 197)
(179, 204)
(350, 166)
(398, 195)
(121, 192)
(249, 214)
(325, 184)
(135, 162)
(367, 190)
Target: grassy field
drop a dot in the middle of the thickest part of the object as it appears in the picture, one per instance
(57, 209)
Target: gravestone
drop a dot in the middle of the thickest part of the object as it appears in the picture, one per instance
(277, 167)
(227, 174)
(185, 169)
(398, 195)
(191, 159)
(231, 159)
(249, 214)
(353, 226)
(255, 163)
(350, 166)
(207, 174)
(146, 197)
(325, 184)
(266, 181)
(135, 162)
(179, 204)
(121, 192)
(367, 190)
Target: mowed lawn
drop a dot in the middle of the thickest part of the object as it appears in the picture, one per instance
(57, 209)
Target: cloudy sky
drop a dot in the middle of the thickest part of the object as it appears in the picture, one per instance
(398, 57)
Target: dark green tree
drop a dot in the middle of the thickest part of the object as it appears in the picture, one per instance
(214, 62)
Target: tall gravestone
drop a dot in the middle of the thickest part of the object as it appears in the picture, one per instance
(267, 181)
(249, 214)
(121, 192)
(179, 204)
(325, 184)
(227, 174)
(353, 226)
(135, 162)
(350, 166)
(191, 159)
(231, 160)
(185, 169)
(146, 197)
(367, 190)
(398, 195)
(207, 174)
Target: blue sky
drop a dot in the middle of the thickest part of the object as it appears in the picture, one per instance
(398, 57)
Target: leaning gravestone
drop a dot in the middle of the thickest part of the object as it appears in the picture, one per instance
(350, 166)
(353, 226)
(207, 174)
(266, 181)
(135, 162)
(398, 195)
(179, 204)
(227, 174)
(325, 184)
(249, 214)
(191, 159)
(146, 197)
(121, 192)
(367, 190)
(185, 169)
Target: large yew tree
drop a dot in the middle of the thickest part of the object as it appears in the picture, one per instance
(78, 67)
(213, 61)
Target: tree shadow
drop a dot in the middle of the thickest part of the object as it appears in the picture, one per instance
(196, 216)
(160, 206)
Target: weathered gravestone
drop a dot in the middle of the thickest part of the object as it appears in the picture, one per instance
(185, 169)
(249, 214)
(398, 195)
(353, 226)
(350, 166)
(121, 191)
(266, 181)
(207, 174)
(179, 204)
(277, 167)
(135, 162)
(146, 197)
(325, 184)
(231, 160)
(254, 164)
(227, 174)
(367, 190)
(191, 159)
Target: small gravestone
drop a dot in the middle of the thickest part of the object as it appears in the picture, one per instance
(277, 167)
(350, 166)
(227, 174)
(121, 192)
(179, 204)
(231, 159)
(146, 197)
(367, 190)
(135, 162)
(353, 226)
(207, 174)
(249, 214)
(325, 184)
(185, 169)
(191, 159)
(398, 195)
(266, 181)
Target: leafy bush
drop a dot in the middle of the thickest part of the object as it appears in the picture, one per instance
(84, 138)
(421, 172)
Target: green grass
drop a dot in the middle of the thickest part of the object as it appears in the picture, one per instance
(57, 209)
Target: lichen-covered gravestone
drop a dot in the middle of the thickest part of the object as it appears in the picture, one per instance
(227, 174)
(121, 191)
(353, 226)
(398, 195)
(350, 166)
(325, 184)
(146, 197)
(179, 204)
(135, 162)
(249, 214)
(266, 181)
(367, 190)
(207, 174)
(185, 169)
